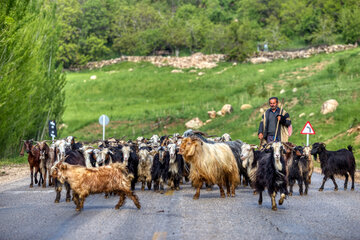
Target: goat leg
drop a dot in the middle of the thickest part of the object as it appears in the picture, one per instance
(333, 179)
(273, 202)
(121, 200)
(58, 188)
(162, 190)
(222, 192)
(134, 198)
(352, 179)
(260, 198)
(31, 176)
(198, 186)
(68, 196)
(346, 181)
(300, 183)
(44, 177)
(282, 198)
(323, 183)
(149, 184)
(142, 185)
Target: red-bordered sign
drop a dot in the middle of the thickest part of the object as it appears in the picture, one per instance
(308, 129)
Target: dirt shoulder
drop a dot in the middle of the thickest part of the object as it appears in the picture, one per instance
(14, 172)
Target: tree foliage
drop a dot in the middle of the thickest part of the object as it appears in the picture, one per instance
(30, 81)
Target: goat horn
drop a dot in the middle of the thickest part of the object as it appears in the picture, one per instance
(204, 134)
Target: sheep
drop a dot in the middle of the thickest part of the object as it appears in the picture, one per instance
(144, 167)
(298, 170)
(271, 174)
(85, 181)
(212, 163)
(339, 162)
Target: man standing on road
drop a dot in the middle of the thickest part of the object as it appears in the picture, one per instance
(269, 122)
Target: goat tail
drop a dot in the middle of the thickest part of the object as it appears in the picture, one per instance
(350, 148)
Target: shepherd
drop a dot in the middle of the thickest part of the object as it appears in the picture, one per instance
(275, 125)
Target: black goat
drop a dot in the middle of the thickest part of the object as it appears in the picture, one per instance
(339, 162)
(131, 159)
(298, 171)
(271, 174)
(160, 169)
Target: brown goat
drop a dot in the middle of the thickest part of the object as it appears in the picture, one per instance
(33, 159)
(211, 163)
(44, 161)
(85, 181)
(307, 154)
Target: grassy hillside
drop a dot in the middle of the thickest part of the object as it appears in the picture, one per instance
(142, 99)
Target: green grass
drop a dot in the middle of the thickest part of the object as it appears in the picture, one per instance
(13, 160)
(151, 100)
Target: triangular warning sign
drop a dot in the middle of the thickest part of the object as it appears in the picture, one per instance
(308, 129)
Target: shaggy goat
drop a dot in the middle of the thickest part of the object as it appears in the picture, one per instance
(131, 160)
(85, 181)
(144, 167)
(271, 174)
(307, 154)
(250, 157)
(339, 162)
(211, 163)
(72, 158)
(298, 171)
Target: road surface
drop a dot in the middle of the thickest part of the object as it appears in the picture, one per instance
(32, 214)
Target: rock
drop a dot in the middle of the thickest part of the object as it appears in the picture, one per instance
(176, 71)
(261, 70)
(219, 113)
(245, 106)
(329, 106)
(227, 108)
(302, 115)
(192, 71)
(84, 81)
(235, 63)
(212, 114)
(194, 123)
(294, 90)
(257, 60)
(93, 77)
(282, 91)
(311, 114)
(63, 125)
(261, 110)
(131, 69)
(201, 73)
(208, 121)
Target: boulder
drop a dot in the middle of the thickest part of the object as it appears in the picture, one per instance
(282, 91)
(227, 108)
(245, 106)
(212, 114)
(301, 115)
(208, 121)
(176, 71)
(93, 77)
(194, 123)
(219, 113)
(329, 106)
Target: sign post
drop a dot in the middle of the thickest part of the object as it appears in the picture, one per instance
(104, 120)
(308, 130)
(52, 129)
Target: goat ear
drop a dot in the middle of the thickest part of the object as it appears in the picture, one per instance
(63, 166)
(192, 150)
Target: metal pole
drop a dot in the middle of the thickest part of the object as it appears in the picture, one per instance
(307, 139)
(103, 128)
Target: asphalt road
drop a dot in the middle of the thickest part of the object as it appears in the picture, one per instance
(32, 214)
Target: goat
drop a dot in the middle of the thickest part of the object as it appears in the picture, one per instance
(33, 159)
(271, 174)
(85, 181)
(44, 162)
(298, 170)
(212, 163)
(160, 169)
(250, 157)
(102, 156)
(72, 158)
(144, 167)
(131, 160)
(176, 165)
(307, 154)
(339, 162)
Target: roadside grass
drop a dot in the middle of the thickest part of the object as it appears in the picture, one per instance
(142, 99)
(13, 160)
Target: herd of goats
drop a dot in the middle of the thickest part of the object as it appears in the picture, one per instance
(115, 166)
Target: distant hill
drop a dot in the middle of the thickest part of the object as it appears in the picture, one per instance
(142, 99)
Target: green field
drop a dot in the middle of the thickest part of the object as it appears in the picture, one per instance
(152, 100)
